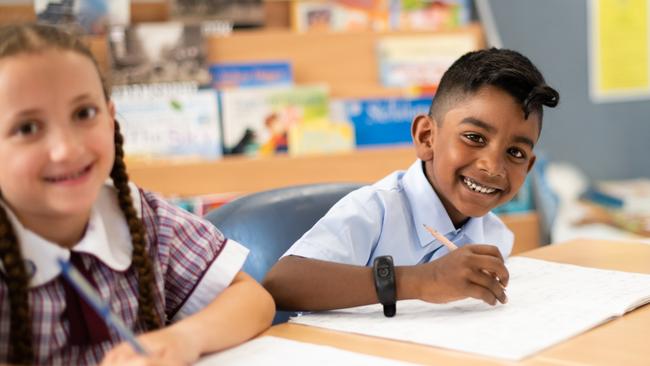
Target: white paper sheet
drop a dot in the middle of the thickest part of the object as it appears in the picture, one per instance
(269, 351)
(547, 303)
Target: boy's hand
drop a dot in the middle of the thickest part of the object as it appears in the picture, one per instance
(470, 271)
(164, 347)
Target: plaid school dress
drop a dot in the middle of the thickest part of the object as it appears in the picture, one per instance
(192, 264)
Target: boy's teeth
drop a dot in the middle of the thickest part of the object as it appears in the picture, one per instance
(477, 187)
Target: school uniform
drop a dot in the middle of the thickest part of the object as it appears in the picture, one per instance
(192, 264)
(387, 218)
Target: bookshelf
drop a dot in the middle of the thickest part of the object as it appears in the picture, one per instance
(244, 175)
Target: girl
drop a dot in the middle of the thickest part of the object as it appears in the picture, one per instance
(153, 263)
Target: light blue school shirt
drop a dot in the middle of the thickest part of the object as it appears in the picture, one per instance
(386, 219)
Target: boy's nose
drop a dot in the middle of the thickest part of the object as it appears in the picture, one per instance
(493, 165)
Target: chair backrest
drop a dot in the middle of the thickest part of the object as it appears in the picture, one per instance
(268, 222)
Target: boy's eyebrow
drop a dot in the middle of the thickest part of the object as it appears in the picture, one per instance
(478, 123)
(489, 128)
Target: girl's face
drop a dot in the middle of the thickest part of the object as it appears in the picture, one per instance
(56, 136)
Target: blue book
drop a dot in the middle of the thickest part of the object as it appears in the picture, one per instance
(242, 75)
(381, 121)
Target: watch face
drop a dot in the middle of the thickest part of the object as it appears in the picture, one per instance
(383, 270)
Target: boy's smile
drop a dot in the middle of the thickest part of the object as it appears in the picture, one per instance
(478, 156)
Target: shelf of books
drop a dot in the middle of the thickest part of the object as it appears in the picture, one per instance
(219, 98)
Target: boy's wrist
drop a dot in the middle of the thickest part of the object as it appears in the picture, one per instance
(406, 283)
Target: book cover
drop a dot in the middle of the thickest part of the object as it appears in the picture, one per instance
(242, 75)
(320, 137)
(168, 120)
(257, 120)
(241, 13)
(433, 15)
(159, 53)
(340, 15)
(380, 121)
(406, 61)
(88, 16)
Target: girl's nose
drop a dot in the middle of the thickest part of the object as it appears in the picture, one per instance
(65, 147)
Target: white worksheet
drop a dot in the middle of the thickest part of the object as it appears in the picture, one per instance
(548, 303)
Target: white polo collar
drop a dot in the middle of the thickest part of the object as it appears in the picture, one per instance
(428, 209)
(107, 237)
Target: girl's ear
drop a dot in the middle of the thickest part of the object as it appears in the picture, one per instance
(111, 112)
(423, 131)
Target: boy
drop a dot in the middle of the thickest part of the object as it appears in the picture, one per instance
(474, 150)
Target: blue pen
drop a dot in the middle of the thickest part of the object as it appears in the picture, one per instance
(90, 295)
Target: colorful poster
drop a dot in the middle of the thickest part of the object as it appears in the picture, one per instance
(619, 50)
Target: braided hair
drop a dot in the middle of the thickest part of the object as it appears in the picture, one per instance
(32, 38)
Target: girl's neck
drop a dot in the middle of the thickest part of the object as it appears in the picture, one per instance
(64, 231)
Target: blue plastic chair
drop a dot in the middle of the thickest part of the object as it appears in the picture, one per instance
(269, 222)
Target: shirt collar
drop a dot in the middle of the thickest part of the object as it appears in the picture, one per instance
(428, 209)
(107, 238)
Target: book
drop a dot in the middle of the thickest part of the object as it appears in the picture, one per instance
(160, 52)
(433, 15)
(340, 15)
(87, 16)
(257, 120)
(168, 120)
(548, 302)
(406, 61)
(381, 121)
(317, 137)
(241, 13)
(251, 74)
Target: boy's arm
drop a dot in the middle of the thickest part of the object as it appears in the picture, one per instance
(241, 311)
(298, 283)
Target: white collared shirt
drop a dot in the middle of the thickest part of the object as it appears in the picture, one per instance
(387, 218)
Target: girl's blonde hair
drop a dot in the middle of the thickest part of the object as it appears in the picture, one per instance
(32, 38)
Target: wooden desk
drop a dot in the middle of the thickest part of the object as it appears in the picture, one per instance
(623, 341)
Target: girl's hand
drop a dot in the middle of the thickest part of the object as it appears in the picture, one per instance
(164, 347)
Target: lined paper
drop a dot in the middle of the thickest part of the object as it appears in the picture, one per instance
(548, 303)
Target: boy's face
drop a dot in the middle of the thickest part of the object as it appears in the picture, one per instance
(478, 156)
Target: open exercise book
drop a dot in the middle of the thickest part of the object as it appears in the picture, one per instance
(283, 352)
(547, 303)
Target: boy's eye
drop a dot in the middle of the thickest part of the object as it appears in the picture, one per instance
(516, 153)
(86, 113)
(474, 137)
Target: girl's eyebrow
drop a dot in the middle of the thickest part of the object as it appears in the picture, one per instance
(81, 97)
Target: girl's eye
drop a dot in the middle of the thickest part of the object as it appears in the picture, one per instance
(86, 113)
(27, 128)
(516, 153)
(474, 137)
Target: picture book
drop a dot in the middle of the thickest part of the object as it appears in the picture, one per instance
(161, 52)
(340, 15)
(406, 61)
(433, 15)
(257, 120)
(243, 75)
(241, 13)
(168, 120)
(318, 137)
(380, 121)
(87, 16)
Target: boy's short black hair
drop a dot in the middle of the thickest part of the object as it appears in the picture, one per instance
(505, 69)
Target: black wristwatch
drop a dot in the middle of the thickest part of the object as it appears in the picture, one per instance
(384, 273)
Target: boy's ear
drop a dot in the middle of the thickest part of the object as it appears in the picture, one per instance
(531, 163)
(423, 131)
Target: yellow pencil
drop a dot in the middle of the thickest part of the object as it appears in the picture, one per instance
(451, 246)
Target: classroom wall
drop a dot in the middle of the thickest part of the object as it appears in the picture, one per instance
(607, 141)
